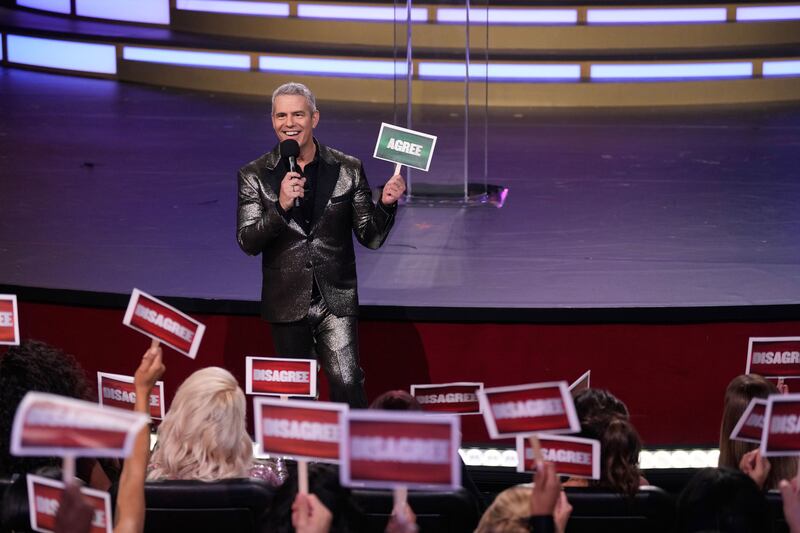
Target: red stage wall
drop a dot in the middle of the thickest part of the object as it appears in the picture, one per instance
(672, 377)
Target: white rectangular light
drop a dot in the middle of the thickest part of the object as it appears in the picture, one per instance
(147, 11)
(507, 16)
(234, 7)
(648, 459)
(375, 13)
(68, 55)
(507, 71)
(56, 6)
(656, 15)
(754, 13)
(341, 67)
(2, 52)
(672, 71)
(187, 58)
(781, 68)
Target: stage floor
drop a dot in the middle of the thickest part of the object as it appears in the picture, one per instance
(106, 186)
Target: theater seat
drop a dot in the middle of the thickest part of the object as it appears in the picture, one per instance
(441, 512)
(200, 507)
(598, 511)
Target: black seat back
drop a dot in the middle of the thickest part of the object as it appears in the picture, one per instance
(652, 510)
(445, 512)
(201, 507)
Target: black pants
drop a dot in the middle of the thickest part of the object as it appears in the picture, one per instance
(334, 341)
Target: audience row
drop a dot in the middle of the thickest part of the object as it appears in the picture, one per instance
(203, 437)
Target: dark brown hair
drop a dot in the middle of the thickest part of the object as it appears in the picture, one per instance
(604, 417)
(740, 391)
(396, 400)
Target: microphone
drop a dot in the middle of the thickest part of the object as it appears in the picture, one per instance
(290, 150)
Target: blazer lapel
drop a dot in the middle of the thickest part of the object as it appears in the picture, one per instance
(273, 174)
(327, 178)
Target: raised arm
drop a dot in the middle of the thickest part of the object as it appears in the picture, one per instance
(257, 219)
(130, 500)
(371, 223)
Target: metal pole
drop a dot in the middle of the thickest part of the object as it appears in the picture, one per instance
(409, 77)
(466, 104)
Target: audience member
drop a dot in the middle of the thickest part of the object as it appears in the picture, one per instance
(37, 366)
(332, 504)
(203, 434)
(604, 417)
(725, 500)
(400, 400)
(74, 513)
(396, 400)
(734, 453)
(130, 496)
(542, 508)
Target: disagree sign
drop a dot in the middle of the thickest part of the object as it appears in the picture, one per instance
(529, 409)
(458, 398)
(51, 425)
(44, 499)
(298, 429)
(280, 376)
(117, 390)
(774, 356)
(9, 321)
(161, 321)
(390, 449)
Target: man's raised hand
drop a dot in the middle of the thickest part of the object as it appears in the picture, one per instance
(393, 189)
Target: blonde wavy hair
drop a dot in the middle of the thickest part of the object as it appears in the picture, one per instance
(203, 434)
(508, 513)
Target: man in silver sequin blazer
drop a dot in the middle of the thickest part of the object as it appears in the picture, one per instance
(309, 292)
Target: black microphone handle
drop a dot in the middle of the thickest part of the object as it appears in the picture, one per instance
(292, 168)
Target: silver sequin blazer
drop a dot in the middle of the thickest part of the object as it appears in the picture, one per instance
(291, 258)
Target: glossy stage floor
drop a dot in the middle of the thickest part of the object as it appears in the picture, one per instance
(105, 187)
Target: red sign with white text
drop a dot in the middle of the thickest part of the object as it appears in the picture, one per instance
(581, 384)
(50, 425)
(529, 409)
(117, 390)
(278, 376)
(572, 456)
(44, 499)
(774, 356)
(9, 319)
(750, 426)
(161, 321)
(458, 398)
(299, 429)
(387, 449)
(781, 433)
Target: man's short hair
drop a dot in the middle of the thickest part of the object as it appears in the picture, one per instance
(294, 88)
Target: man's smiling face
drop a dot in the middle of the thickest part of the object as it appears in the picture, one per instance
(292, 118)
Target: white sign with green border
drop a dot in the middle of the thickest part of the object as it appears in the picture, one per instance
(405, 147)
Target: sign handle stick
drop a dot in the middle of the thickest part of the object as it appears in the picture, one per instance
(537, 450)
(400, 498)
(284, 397)
(797, 481)
(302, 476)
(68, 469)
(397, 167)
